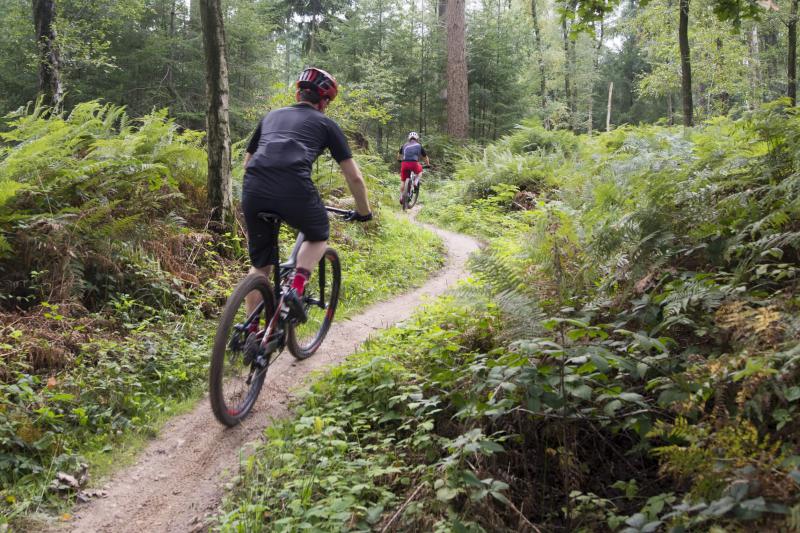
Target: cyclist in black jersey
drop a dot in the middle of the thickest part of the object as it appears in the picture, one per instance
(277, 179)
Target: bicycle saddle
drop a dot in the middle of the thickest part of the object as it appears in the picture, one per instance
(268, 217)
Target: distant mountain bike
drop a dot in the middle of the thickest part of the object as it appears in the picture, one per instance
(411, 191)
(246, 344)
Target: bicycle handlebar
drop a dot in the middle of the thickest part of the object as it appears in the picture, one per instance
(349, 214)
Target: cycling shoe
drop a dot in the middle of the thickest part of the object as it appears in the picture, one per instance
(297, 311)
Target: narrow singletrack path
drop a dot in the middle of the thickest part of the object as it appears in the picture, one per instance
(178, 480)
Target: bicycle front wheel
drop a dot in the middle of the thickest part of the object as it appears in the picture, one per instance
(238, 364)
(320, 298)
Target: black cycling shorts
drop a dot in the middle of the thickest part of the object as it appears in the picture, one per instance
(305, 214)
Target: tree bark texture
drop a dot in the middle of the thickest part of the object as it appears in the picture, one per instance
(791, 70)
(217, 122)
(573, 89)
(537, 32)
(570, 90)
(567, 83)
(608, 109)
(595, 70)
(49, 82)
(686, 64)
(457, 82)
(755, 69)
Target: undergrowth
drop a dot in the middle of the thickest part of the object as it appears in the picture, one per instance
(625, 358)
(112, 283)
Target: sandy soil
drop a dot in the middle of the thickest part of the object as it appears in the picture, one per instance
(178, 480)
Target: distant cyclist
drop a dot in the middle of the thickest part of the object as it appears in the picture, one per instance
(409, 155)
(277, 179)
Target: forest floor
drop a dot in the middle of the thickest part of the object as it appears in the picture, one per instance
(178, 480)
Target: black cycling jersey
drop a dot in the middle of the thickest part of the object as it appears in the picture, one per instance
(284, 147)
(278, 176)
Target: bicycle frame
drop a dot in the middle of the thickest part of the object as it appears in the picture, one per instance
(281, 271)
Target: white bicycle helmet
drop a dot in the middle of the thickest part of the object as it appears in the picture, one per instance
(413, 135)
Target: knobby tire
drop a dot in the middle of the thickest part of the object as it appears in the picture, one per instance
(414, 196)
(303, 340)
(223, 358)
(406, 185)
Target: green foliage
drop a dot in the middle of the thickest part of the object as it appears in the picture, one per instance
(367, 434)
(112, 387)
(102, 212)
(624, 358)
(77, 189)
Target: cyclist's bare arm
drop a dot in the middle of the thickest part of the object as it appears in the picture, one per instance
(427, 161)
(355, 182)
(247, 156)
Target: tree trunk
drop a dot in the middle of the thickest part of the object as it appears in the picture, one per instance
(537, 32)
(380, 31)
(595, 69)
(567, 81)
(49, 82)
(573, 89)
(608, 109)
(686, 64)
(217, 124)
(791, 70)
(457, 83)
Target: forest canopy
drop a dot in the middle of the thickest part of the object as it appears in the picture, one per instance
(555, 59)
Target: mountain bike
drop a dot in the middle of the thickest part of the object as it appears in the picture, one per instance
(411, 191)
(246, 344)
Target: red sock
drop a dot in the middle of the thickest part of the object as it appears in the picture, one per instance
(301, 276)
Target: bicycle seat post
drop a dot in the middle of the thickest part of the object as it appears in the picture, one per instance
(275, 223)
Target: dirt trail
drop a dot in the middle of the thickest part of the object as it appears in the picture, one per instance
(178, 480)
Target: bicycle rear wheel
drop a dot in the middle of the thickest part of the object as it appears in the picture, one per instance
(320, 298)
(413, 195)
(406, 192)
(238, 364)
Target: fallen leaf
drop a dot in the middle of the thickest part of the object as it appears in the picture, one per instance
(51, 382)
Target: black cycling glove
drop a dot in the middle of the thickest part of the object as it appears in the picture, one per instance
(354, 216)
